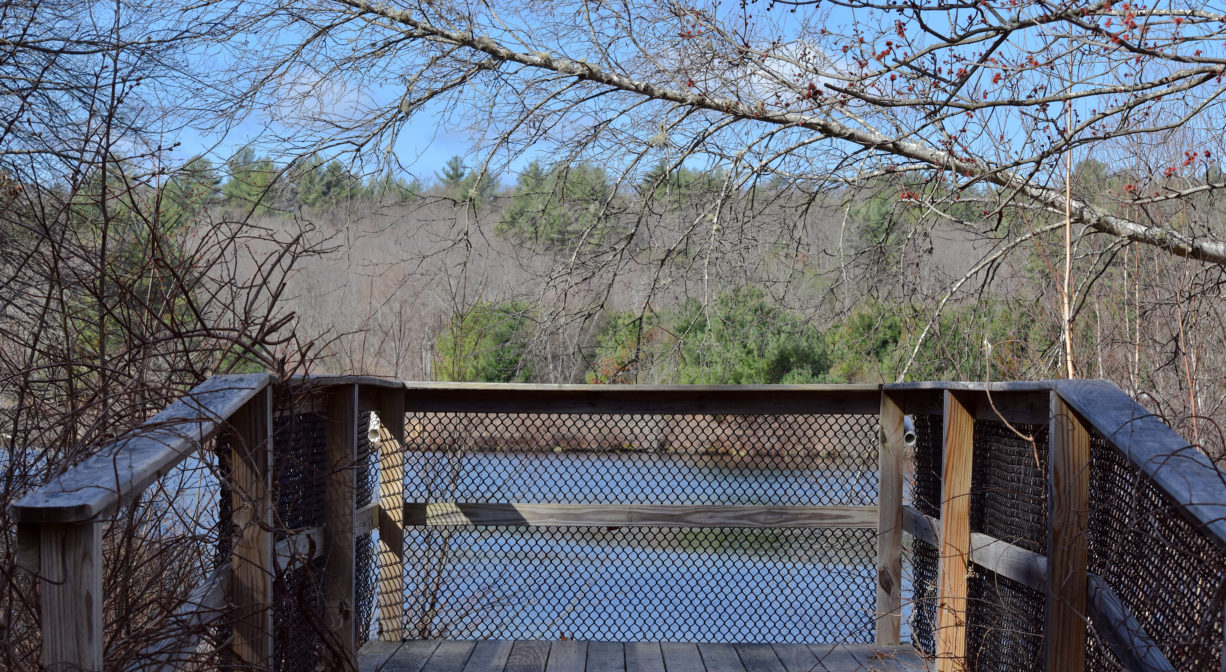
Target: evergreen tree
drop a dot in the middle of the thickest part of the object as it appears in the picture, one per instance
(250, 183)
(191, 189)
(462, 184)
(556, 208)
(453, 175)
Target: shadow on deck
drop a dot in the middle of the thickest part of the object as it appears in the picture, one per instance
(570, 656)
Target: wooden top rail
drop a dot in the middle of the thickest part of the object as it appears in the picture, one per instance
(1179, 469)
(644, 399)
(124, 468)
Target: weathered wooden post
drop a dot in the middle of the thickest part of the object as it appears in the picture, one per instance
(390, 585)
(251, 584)
(955, 544)
(1068, 513)
(340, 608)
(889, 523)
(70, 595)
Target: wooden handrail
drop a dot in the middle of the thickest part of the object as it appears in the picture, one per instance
(59, 532)
(124, 468)
(1178, 468)
(1194, 485)
(644, 399)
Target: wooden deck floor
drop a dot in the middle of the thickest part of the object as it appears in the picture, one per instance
(530, 656)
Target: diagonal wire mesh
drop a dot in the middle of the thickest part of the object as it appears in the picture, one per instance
(926, 497)
(641, 583)
(1169, 575)
(1166, 571)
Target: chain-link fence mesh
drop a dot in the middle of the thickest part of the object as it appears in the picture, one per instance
(1167, 573)
(300, 481)
(641, 583)
(300, 471)
(1004, 624)
(925, 560)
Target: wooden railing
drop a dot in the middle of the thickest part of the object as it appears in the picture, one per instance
(60, 524)
(1074, 598)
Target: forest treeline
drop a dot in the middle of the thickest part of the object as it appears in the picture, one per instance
(784, 317)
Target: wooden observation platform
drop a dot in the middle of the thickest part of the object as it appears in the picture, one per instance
(360, 523)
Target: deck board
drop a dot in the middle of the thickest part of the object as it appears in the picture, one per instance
(721, 657)
(528, 656)
(449, 656)
(759, 657)
(486, 657)
(681, 657)
(605, 657)
(796, 658)
(568, 656)
(644, 657)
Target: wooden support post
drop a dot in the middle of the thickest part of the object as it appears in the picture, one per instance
(70, 595)
(340, 615)
(1068, 515)
(889, 524)
(955, 534)
(391, 516)
(252, 559)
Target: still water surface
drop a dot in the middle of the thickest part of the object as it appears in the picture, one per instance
(637, 584)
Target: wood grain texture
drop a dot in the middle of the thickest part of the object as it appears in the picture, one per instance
(409, 656)
(648, 399)
(889, 523)
(759, 658)
(971, 386)
(251, 562)
(1010, 561)
(721, 657)
(449, 656)
(1112, 620)
(682, 657)
(570, 656)
(1000, 557)
(644, 657)
(1068, 520)
(528, 656)
(390, 517)
(339, 607)
(1178, 468)
(916, 524)
(1015, 402)
(1120, 631)
(365, 519)
(567, 656)
(123, 469)
(490, 656)
(374, 654)
(461, 514)
(840, 657)
(796, 657)
(70, 596)
(955, 546)
(606, 657)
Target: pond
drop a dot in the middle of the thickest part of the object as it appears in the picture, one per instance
(638, 584)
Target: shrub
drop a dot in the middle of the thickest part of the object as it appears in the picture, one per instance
(486, 343)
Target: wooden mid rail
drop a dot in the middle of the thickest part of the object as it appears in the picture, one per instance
(60, 524)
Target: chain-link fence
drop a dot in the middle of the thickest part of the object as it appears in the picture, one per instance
(1165, 570)
(301, 639)
(650, 583)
